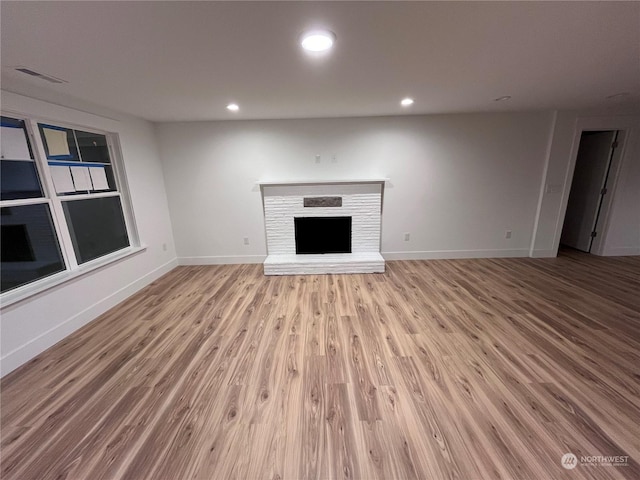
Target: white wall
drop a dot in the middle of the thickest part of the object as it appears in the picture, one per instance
(36, 323)
(457, 182)
(623, 221)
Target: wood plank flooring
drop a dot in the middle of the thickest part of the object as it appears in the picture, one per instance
(465, 369)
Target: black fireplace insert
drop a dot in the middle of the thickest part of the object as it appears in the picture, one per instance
(323, 235)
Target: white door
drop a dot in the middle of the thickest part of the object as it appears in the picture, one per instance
(587, 188)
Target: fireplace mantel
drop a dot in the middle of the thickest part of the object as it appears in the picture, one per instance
(321, 181)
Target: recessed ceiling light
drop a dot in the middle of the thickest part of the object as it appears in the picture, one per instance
(317, 40)
(233, 107)
(406, 102)
(502, 99)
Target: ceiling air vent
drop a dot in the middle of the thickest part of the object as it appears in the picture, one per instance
(43, 76)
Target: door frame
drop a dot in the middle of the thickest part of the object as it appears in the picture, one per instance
(623, 126)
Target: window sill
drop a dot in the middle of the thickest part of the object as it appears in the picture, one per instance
(27, 291)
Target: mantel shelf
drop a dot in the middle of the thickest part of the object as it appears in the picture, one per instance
(321, 181)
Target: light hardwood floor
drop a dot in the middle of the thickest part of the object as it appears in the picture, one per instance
(468, 369)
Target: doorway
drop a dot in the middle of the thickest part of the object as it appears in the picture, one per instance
(590, 189)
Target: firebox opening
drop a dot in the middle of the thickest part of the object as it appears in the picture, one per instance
(323, 235)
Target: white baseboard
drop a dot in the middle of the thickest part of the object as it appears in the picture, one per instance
(421, 255)
(221, 260)
(543, 254)
(621, 251)
(34, 347)
(451, 254)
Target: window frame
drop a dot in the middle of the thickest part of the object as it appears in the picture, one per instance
(73, 269)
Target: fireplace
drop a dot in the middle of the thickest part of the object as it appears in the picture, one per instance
(322, 235)
(323, 227)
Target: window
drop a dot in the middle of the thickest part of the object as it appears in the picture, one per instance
(30, 248)
(80, 166)
(97, 227)
(61, 202)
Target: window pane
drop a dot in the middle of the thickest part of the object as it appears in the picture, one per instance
(14, 143)
(59, 143)
(97, 226)
(93, 147)
(19, 179)
(30, 249)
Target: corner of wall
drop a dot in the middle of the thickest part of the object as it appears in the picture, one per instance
(543, 182)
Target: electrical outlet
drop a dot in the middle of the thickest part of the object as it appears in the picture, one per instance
(507, 234)
(407, 237)
(164, 247)
(246, 240)
(317, 158)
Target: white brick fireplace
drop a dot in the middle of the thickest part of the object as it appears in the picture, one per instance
(285, 201)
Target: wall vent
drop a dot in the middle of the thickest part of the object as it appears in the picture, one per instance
(33, 73)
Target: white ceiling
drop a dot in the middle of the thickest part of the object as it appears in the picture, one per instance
(169, 61)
